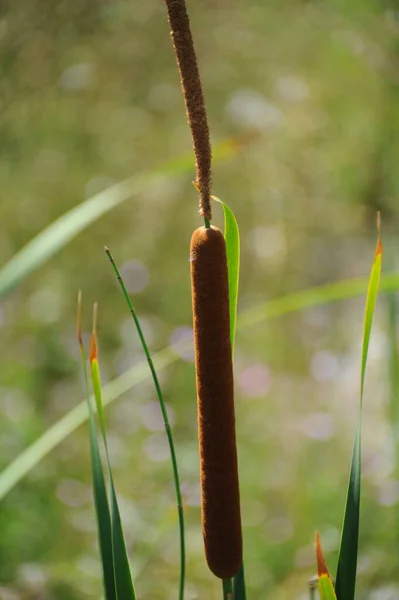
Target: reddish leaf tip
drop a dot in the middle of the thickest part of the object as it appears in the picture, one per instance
(378, 250)
(93, 347)
(321, 563)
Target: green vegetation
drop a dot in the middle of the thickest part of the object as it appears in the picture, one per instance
(306, 96)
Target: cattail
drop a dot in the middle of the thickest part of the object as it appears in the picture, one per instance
(220, 501)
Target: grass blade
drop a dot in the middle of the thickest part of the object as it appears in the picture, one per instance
(64, 229)
(232, 237)
(347, 561)
(123, 578)
(326, 586)
(165, 417)
(288, 304)
(102, 513)
(99, 487)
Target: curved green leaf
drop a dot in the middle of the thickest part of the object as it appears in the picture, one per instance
(123, 578)
(30, 457)
(232, 237)
(165, 416)
(99, 487)
(102, 512)
(59, 233)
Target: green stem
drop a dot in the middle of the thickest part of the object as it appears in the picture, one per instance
(207, 223)
(239, 584)
(228, 593)
(166, 423)
(313, 585)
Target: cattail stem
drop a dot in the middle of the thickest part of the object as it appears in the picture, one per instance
(220, 501)
(194, 99)
(228, 593)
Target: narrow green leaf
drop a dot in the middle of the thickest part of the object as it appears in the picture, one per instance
(103, 514)
(64, 229)
(372, 292)
(95, 378)
(326, 588)
(232, 237)
(58, 432)
(99, 487)
(123, 577)
(168, 429)
(347, 560)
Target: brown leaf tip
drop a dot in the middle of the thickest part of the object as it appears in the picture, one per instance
(321, 563)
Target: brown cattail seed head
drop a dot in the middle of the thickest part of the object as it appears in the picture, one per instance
(220, 500)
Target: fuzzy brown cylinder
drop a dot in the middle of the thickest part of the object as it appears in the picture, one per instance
(194, 99)
(220, 499)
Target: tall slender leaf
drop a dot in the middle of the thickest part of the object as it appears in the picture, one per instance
(102, 513)
(232, 237)
(123, 578)
(165, 417)
(99, 487)
(347, 561)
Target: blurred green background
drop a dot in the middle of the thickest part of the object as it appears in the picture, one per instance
(89, 96)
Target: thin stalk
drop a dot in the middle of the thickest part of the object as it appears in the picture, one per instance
(228, 593)
(239, 587)
(166, 424)
(313, 587)
(393, 366)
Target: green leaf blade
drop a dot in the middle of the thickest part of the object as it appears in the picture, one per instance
(103, 514)
(232, 237)
(99, 487)
(123, 577)
(326, 588)
(347, 560)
